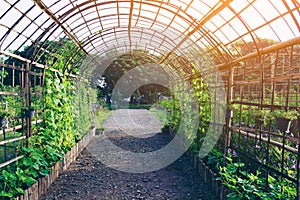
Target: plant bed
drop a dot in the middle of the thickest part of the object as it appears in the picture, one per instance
(206, 173)
(41, 186)
(210, 178)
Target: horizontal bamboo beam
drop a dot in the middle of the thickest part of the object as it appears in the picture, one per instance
(23, 59)
(12, 140)
(278, 144)
(17, 127)
(265, 50)
(9, 93)
(10, 161)
(34, 63)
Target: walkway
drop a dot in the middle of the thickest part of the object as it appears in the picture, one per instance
(88, 178)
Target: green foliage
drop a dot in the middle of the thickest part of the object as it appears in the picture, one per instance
(83, 116)
(214, 159)
(122, 64)
(58, 109)
(53, 138)
(167, 103)
(28, 108)
(3, 75)
(204, 101)
(289, 115)
(101, 115)
(36, 162)
(261, 114)
(13, 103)
(242, 47)
(181, 103)
(244, 185)
(173, 112)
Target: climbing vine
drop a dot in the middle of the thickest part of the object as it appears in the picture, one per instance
(83, 114)
(175, 117)
(54, 137)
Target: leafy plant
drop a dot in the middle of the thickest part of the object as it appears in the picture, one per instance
(261, 114)
(244, 185)
(289, 115)
(214, 159)
(55, 136)
(232, 106)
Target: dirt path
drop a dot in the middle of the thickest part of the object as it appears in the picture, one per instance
(88, 178)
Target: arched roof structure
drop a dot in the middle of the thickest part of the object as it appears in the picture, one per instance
(162, 27)
(253, 44)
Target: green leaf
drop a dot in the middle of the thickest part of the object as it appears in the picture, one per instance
(27, 149)
(8, 176)
(27, 161)
(44, 172)
(20, 191)
(31, 172)
(239, 164)
(28, 180)
(229, 159)
(6, 194)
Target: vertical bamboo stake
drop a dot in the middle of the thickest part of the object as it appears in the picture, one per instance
(289, 80)
(43, 89)
(228, 117)
(21, 80)
(2, 74)
(14, 104)
(27, 95)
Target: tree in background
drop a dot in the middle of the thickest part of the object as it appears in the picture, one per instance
(146, 94)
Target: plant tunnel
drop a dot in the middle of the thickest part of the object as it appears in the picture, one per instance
(227, 73)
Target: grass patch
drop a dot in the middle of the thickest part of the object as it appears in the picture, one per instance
(139, 106)
(135, 106)
(101, 116)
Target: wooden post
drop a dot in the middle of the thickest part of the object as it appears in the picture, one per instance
(228, 117)
(27, 95)
(22, 87)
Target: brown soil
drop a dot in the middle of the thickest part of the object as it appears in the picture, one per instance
(87, 178)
